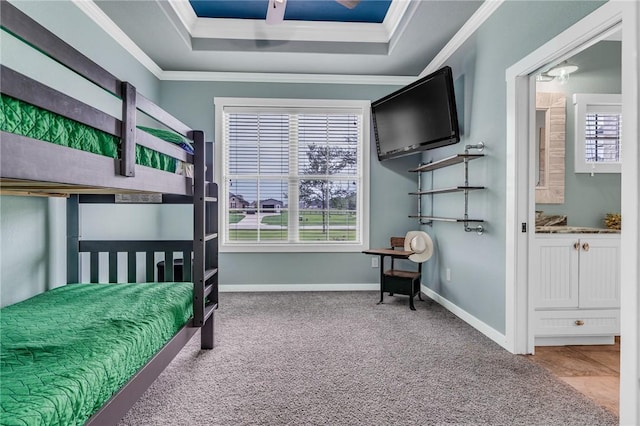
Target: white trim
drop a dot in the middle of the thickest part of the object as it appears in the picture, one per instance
(226, 288)
(396, 15)
(583, 103)
(185, 13)
(474, 322)
(114, 31)
(284, 247)
(285, 78)
(305, 31)
(517, 325)
(630, 236)
(402, 25)
(359, 107)
(188, 20)
(486, 9)
(106, 24)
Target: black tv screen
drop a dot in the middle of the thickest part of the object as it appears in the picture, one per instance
(417, 117)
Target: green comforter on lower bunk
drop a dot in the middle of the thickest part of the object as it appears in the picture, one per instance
(28, 120)
(65, 352)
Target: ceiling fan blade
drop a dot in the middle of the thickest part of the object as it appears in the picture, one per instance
(349, 4)
(275, 11)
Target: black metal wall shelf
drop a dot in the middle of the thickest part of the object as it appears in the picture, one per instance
(466, 188)
(447, 219)
(446, 190)
(446, 162)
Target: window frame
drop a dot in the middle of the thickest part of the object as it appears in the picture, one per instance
(361, 107)
(583, 102)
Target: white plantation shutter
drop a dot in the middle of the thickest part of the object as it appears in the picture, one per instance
(598, 124)
(340, 132)
(257, 144)
(603, 132)
(295, 174)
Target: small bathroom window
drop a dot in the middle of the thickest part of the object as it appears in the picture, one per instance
(598, 132)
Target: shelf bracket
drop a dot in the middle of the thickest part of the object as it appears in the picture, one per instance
(479, 228)
(421, 221)
(479, 146)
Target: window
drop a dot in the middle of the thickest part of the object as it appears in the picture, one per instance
(293, 174)
(598, 132)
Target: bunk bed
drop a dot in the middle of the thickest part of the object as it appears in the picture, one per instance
(76, 354)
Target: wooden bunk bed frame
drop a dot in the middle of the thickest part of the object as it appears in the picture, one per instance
(33, 167)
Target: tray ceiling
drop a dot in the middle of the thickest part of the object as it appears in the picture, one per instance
(173, 35)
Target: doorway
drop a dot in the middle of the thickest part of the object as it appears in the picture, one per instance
(574, 159)
(520, 212)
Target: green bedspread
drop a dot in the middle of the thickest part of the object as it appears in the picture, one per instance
(27, 120)
(65, 352)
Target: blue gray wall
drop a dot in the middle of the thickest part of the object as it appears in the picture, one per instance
(599, 72)
(24, 260)
(477, 264)
(192, 102)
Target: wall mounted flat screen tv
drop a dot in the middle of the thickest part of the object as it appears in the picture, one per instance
(417, 117)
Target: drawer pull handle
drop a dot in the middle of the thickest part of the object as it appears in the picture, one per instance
(585, 247)
(579, 322)
(576, 245)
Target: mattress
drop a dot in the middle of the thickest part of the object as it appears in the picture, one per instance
(28, 120)
(65, 352)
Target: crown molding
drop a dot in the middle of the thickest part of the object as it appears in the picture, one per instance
(109, 27)
(395, 16)
(189, 20)
(285, 78)
(185, 13)
(104, 22)
(476, 20)
(402, 24)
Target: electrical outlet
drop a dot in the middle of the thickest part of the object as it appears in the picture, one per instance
(374, 262)
(448, 274)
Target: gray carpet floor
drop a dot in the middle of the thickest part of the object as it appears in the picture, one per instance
(337, 358)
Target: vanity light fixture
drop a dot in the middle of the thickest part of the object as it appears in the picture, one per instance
(562, 71)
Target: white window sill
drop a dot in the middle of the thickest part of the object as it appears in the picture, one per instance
(292, 248)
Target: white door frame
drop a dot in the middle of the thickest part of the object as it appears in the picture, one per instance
(518, 332)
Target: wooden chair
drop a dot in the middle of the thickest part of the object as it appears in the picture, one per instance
(401, 281)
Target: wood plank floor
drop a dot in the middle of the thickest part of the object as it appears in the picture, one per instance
(593, 370)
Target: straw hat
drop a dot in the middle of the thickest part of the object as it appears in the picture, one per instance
(419, 242)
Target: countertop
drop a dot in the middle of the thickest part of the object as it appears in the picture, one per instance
(563, 229)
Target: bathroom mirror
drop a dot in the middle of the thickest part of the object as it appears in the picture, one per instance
(550, 147)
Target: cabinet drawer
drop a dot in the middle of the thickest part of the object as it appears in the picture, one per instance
(584, 322)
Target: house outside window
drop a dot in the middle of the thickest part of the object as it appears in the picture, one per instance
(598, 131)
(295, 172)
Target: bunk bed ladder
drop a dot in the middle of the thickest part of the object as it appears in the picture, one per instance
(205, 240)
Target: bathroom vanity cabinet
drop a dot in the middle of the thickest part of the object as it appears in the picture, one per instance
(575, 280)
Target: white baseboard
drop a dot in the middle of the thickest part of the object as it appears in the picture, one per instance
(474, 322)
(298, 287)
